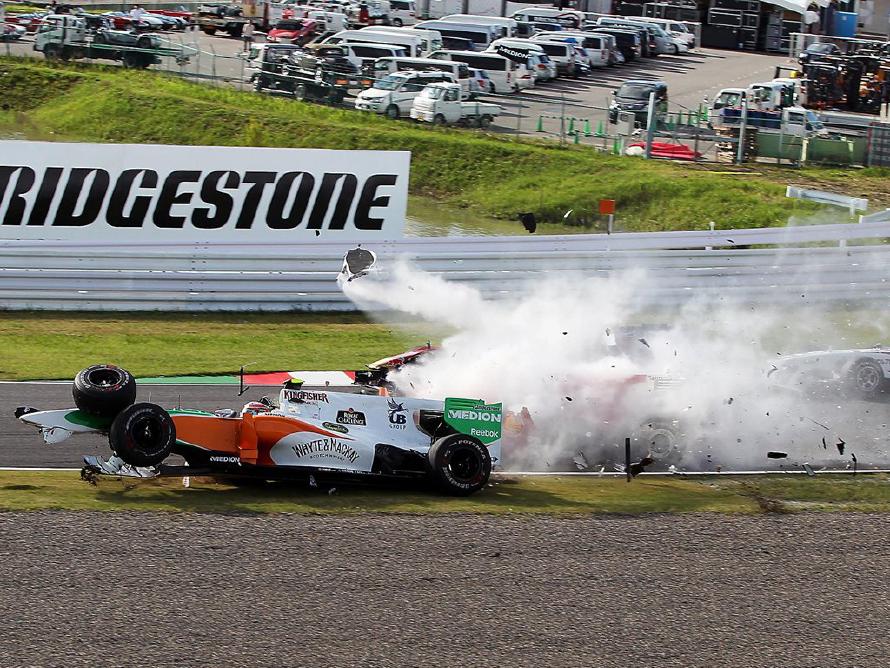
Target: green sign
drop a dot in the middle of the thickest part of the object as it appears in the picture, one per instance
(475, 418)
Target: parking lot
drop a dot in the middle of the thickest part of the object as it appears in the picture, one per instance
(551, 109)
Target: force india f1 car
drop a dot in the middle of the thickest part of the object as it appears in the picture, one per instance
(306, 434)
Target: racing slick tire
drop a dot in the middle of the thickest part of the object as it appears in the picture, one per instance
(661, 438)
(460, 465)
(104, 390)
(142, 434)
(866, 378)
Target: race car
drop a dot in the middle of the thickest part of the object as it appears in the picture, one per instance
(307, 434)
(863, 372)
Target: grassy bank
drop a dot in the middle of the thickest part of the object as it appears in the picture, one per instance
(57, 345)
(493, 175)
(27, 490)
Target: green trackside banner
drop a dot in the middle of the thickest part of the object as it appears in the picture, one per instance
(474, 418)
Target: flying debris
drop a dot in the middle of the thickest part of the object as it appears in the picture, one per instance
(772, 370)
(357, 263)
(840, 446)
(580, 461)
(808, 469)
(568, 398)
(636, 468)
(825, 445)
(644, 342)
(775, 454)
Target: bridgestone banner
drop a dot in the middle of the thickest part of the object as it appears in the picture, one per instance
(151, 193)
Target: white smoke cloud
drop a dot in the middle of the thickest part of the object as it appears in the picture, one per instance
(551, 348)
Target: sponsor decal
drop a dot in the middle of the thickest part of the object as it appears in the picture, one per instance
(351, 417)
(225, 460)
(330, 426)
(302, 396)
(186, 193)
(322, 448)
(397, 414)
(474, 418)
(512, 53)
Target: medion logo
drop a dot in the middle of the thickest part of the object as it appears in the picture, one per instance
(482, 416)
(181, 199)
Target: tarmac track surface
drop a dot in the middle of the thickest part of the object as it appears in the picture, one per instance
(863, 425)
(141, 589)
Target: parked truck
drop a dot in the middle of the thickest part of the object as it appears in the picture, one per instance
(222, 18)
(67, 37)
(791, 121)
(440, 103)
(320, 72)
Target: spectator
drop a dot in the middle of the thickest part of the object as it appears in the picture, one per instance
(811, 19)
(247, 34)
(136, 14)
(828, 24)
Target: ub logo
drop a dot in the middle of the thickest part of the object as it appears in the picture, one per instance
(397, 417)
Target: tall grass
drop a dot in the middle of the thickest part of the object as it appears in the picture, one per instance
(495, 175)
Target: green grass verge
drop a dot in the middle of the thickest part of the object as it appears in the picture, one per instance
(58, 345)
(495, 175)
(27, 490)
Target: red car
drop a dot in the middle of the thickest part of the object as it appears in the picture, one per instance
(29, 22)
(292, 31)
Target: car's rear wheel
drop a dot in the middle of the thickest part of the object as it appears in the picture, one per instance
(397, 23)
(485, 121)
(439, 119)
(867, 378)
(460, 465)
(392, 111)
(104, 390)
(142, 434)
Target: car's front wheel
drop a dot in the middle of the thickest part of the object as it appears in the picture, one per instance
(460, 465)
(142, 434)
(392, 111)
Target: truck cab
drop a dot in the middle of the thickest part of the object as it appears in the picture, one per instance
(394, 94)
(440, 104)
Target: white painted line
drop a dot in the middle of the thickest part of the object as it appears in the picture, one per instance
(622, 474)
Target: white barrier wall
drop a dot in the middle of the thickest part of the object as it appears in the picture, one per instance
(282, 277)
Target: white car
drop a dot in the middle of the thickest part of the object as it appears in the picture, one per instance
(394, 94)
(480, 82)
(679, 44)
(864, 372)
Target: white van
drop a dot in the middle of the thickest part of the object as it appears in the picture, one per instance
(412, 44)
(507, 25)
(482, 35)
(506, 76)
(663, 42)
(402, 12)
(676, 29)
(568, 18)
(596, 46)
(364, 54)
(459, 71)
(538, 62)
(394, 94)
(431, 40)
(562, 54)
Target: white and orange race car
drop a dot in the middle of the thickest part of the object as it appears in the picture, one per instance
(310, 434)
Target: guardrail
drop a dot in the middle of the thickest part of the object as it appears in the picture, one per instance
(252, 277)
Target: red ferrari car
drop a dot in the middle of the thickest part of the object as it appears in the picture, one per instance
(292, 31)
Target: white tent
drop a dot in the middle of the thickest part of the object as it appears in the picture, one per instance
(799, 6)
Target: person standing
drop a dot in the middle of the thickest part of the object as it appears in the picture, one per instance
(136, 16)
(828, 24)
(247, 34)
(811, 19)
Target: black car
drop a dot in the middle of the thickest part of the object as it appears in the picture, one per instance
(633, 96)
(627, 41)
(818, 51)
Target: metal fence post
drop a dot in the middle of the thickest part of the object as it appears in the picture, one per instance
(740, 156)
(562, 119)
(519, 119)
(650, 125)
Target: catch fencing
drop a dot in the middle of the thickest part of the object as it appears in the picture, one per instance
(302, 277)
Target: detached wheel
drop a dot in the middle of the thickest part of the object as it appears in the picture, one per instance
(460, 465)
(142, 435)
(867, 378)
(104, 390)
(392, 112)
(661, 438)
